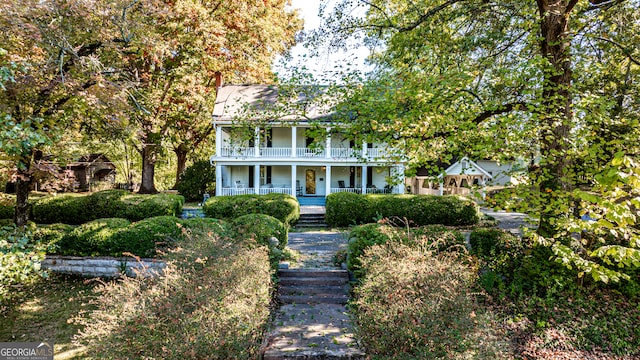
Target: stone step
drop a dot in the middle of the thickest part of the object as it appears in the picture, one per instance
(314, 290)
(312, 281)
(308, 331)
(309, 273)
(314, 299)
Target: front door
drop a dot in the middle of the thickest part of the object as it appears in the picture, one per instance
(311, 182)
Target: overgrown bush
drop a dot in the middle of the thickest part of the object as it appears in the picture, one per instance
(197, 180)
(431, 237)
(79, 209)
(115, 236)
(212, 302)
(418, 210)
(20, 258)
(418, 303)
(281, 206)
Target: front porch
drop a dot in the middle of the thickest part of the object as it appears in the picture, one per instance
(304, 180)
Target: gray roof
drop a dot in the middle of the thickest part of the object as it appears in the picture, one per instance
(302, 103)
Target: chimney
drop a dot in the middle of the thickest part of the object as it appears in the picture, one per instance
(219, 79)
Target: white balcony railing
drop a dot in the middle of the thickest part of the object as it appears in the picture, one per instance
(309, 153)
(279, 190)
(285, 152)
(237, 152)
(275, 152)
(351, 190)
(345, 153)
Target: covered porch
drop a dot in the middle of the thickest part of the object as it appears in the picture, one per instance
(307, 180)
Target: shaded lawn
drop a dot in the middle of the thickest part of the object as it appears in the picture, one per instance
(45, 311)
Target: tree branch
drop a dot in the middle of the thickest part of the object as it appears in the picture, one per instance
(625, 50)
(503, 109)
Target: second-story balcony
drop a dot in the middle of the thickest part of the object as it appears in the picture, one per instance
(237, 152)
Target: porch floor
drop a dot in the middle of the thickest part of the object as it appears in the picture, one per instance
(312, 209)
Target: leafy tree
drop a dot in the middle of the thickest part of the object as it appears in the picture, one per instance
(552, 82)
(168, 54)
(47, 51)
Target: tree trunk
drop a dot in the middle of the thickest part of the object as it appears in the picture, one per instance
(555, 122)
(181, 153)
(23, 186)
(149, 156)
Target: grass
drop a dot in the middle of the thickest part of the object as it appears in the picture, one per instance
(46, 311)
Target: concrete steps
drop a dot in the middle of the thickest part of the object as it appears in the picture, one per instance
(311, 220)
(311, 286)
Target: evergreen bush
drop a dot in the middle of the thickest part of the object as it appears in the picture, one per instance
(260, 228)
(197, 180)
(115, 236)
(7, 206)
(283, 207)
(345, 209)
(79, 209)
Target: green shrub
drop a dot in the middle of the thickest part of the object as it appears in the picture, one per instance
(7, 206)
(363, 237)
(67, 209)
(94, 238)
(79, 209)
(20, 258)
(50, 235)
(115, 236)
(145, 237)
(281, 206)
(208, 225)
(418, 210)
(197, 180)
(260, 228)
(212, 302)
(345, 209)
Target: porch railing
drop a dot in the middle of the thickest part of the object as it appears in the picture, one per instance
(345, 153)
(237, 152)
(275, 152)
(351, 190)
(232, 191)
(309, 153)
(281, 190)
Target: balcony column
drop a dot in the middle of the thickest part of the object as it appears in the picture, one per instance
(218, 140)
(294, 185)
(294, 139)
(328, 182)
(327, 147)
(364, 178)
(218, 180)
(256, 141)
(365, 151)
(256, 178)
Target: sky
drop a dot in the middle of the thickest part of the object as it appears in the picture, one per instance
(324, 64)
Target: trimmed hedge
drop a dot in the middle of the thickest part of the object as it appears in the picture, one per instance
(281, 206)
(344, 209)
(432, 237)
(79, 209)
(260, 228)
(115, 236)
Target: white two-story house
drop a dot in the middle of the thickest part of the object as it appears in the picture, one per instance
(285, 154)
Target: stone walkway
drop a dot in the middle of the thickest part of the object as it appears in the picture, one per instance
(313, 330)
(510, 221)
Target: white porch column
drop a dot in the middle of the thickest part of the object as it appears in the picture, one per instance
(256, 141)
(294, 144)
(256, 178)
(364, 179)
(218, 180)
(327, 147)
(328, 182)
(441, 187)
(218, 140)
(294, 171)
(365, 151)
(400, 174)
